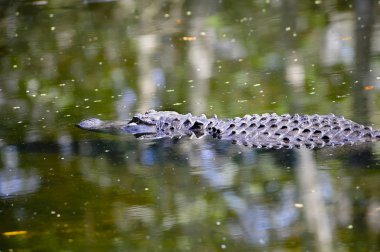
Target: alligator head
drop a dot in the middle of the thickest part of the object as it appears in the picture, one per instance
(141, 125)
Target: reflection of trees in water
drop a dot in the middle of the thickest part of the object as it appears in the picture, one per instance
(362, 98)
(365, 17)
(269, 212)
(315, 191)
(253, 196)
(257, 220)
(15, 181)
(87, 64)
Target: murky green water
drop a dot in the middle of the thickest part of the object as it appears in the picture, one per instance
(63, 189)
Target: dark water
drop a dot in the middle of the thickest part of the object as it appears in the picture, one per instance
(63, 189)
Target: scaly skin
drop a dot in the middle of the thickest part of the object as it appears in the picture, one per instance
(256, 131)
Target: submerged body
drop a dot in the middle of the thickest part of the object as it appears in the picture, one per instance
(257, 131)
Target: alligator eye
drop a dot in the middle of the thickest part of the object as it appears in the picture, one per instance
(135, 119)
(139, 120)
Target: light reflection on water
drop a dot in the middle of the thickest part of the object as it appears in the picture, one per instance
(15, 181)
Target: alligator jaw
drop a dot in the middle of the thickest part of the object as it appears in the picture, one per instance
(95, 124)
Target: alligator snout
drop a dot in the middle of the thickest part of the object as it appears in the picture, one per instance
(90, 124)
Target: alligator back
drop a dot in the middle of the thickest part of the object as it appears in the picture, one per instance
(288, 131)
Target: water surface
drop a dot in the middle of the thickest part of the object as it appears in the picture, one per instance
(63, 189)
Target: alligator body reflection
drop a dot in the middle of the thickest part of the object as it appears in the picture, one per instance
(257, 131)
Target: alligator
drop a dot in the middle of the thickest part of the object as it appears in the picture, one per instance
(256, 131)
